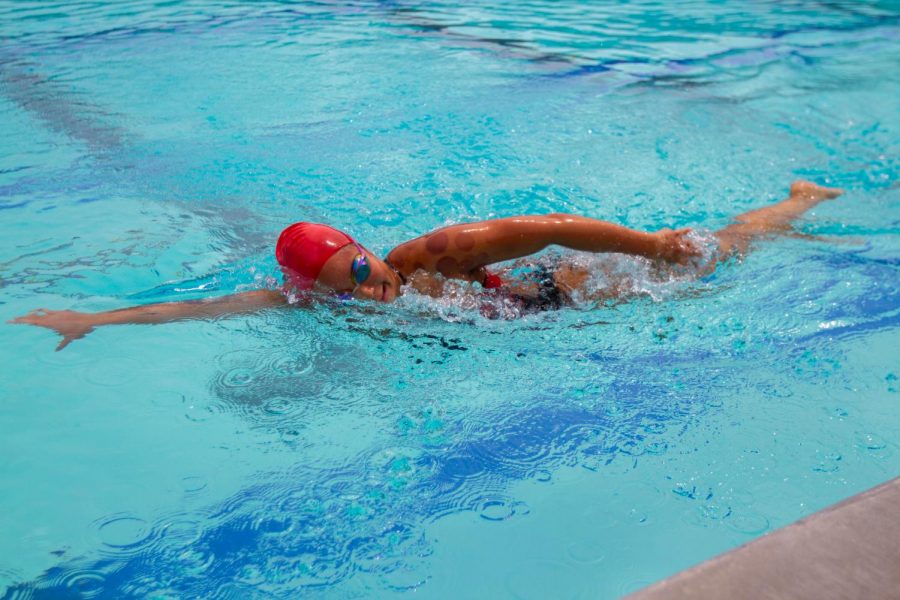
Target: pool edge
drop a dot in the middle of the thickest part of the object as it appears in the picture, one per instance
(848, 550)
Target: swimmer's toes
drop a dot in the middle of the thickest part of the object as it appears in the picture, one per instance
(812, 191)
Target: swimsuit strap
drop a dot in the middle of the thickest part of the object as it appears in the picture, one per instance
(394, 269)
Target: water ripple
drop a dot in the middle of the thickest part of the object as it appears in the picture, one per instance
(82, 583)
(124, 534)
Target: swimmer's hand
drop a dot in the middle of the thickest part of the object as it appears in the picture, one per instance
(675, 246)
(70, 324)
(73, 325)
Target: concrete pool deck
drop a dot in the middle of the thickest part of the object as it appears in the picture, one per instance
(848, 550)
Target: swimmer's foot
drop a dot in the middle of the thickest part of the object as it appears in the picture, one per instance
(812, 193)
(804, 196)
(774, 219)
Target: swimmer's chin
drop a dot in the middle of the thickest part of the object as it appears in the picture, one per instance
(390, 292)
(389, 297)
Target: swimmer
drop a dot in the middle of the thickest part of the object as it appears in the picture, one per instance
(320, 259)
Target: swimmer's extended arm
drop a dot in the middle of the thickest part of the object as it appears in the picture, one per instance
(462, 250)
(73, 325)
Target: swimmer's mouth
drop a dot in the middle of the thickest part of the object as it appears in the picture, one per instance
(383, 291)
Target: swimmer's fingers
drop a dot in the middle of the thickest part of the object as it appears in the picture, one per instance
(676, 246)
(52, 319)
(70, 324)
(72, 333)
(32, 318)
(68, 339)
(687, 246)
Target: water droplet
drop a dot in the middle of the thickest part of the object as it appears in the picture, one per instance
(870, 441)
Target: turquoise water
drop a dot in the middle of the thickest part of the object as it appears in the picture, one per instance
(153, 151)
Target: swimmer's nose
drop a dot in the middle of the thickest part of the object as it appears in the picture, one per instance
(367, 291)
(378, 291)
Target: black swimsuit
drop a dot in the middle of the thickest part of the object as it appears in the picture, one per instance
(501, 304)
(548, 297)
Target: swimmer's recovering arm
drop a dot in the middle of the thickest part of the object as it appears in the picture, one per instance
(73, 325)
(462, 250)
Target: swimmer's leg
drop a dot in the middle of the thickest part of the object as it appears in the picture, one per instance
(772, 220)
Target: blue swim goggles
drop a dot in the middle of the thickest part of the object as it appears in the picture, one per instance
(359, 272)
(359, 269)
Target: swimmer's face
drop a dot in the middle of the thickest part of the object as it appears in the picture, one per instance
(382, 284)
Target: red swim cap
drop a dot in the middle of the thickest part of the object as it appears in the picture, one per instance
(304, 248)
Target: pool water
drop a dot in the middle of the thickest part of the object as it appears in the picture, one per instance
(152, 151)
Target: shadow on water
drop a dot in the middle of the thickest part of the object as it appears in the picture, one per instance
(58, 107)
